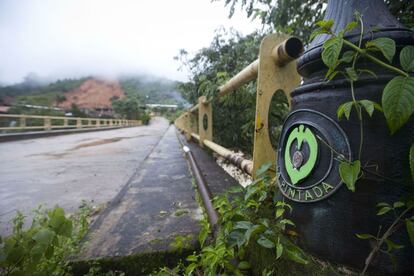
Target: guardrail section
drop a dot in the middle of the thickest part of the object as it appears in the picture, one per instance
(275, 69)
(17, 122)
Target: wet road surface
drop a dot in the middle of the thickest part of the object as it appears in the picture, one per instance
(64, 170)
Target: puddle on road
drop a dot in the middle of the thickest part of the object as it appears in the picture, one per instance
(99, 142)
(85, 145)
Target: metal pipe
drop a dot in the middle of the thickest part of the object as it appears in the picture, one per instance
(282, 54)
(203, 189)
(242, 163)
(194, 109)
(287, 51)
(195, 136)
(246, 75)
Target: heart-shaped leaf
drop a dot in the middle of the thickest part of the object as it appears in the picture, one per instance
(370, 106)
(407, 58)
(331, 50)
(398, 101)
(349, 172)
(344, 109)
(351, 73)
(385, 45)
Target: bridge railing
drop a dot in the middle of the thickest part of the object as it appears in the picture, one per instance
(16, 122)
(275, 70)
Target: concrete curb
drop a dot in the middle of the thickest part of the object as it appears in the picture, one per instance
(41, 134)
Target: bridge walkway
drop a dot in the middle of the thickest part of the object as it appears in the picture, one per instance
(156, 206)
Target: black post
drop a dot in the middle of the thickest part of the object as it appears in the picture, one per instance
(327, 215)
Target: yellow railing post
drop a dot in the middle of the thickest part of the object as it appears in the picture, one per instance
(47, 124)
(205, 120)
(23, 122)
(271, 78)
(78, 123)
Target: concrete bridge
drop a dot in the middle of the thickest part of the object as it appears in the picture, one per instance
(139, 175)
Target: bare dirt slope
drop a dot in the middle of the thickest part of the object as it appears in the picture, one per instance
(92, 94)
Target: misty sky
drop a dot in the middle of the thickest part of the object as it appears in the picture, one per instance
(72, 38)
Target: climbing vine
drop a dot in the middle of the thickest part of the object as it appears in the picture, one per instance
(397, 105)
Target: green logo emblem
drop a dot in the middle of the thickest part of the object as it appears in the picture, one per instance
(295, 168)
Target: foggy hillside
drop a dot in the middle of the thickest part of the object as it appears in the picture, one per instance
(148, 89)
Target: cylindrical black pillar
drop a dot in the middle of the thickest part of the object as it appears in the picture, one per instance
(328, 215)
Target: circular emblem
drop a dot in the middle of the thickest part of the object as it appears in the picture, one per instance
(310, 146)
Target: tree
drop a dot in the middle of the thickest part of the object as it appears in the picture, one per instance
(297, 17)
(76, 112)
(128, 107)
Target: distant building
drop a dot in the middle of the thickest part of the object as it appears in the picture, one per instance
(171, 107)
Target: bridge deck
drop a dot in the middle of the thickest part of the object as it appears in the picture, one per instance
(156, 206)
(67, 169)
(141, 172)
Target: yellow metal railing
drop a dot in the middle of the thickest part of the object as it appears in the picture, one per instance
(275, 69)
(37, 122)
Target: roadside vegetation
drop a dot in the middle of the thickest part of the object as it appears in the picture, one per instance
(46, 246)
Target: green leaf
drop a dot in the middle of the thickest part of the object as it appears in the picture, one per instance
(385, 45)
(331, 74)
(279, 250)
(365, 236)
(59, 223)
(384, 210)
(331, 50)
(189, 270)
(287, 221)
(347, 56)
(316, 33)
(265, 242)
(235, 190)
(251, 190)
(44, 236)
(392, 245)
(398, 204)
(202, 236)
(263, 168)
(349, 173)
(368, 72)
(49, 252)
(407, 58)
(326, 24)
(192, 258)
(344, 109)
(295, 256)
(398, 101)
(351, 73)
(243, 225)
(410, 230)
(243, 265)
(351, 25)
(279, 212)
(412, 161)
(382, 204)
(368, 105)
